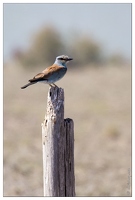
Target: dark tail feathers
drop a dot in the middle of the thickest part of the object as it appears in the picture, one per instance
(28, 84)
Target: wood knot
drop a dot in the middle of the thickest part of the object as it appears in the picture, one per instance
(53, 118)
(46, 122)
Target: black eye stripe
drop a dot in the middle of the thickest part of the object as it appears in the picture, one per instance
(61, 58)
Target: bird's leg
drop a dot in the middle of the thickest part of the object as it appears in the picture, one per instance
(55, 85)
(51, 85)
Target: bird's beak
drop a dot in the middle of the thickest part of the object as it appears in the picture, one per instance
(70, 59)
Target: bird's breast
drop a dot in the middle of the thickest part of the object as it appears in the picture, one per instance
(57, 75)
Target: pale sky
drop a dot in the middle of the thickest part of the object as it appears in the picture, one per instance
(110, 24)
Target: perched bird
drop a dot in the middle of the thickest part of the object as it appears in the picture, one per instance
(51, 74)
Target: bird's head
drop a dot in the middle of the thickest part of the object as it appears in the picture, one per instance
(63, 59)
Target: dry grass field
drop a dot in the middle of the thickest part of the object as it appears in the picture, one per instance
(99, 102)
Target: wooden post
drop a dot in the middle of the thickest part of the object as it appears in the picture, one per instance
(58, 148)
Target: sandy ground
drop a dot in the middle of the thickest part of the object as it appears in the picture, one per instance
(99, 102)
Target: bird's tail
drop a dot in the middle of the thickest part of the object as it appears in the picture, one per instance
(28, 84)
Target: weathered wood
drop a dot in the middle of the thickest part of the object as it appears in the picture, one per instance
(69, 158)
(58, 148)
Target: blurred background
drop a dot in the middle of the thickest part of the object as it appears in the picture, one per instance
(97, 93)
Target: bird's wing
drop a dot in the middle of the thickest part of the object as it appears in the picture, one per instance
(36, 78)
(52, 69)
(47, 73)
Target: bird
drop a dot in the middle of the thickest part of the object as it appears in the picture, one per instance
(51, 74)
